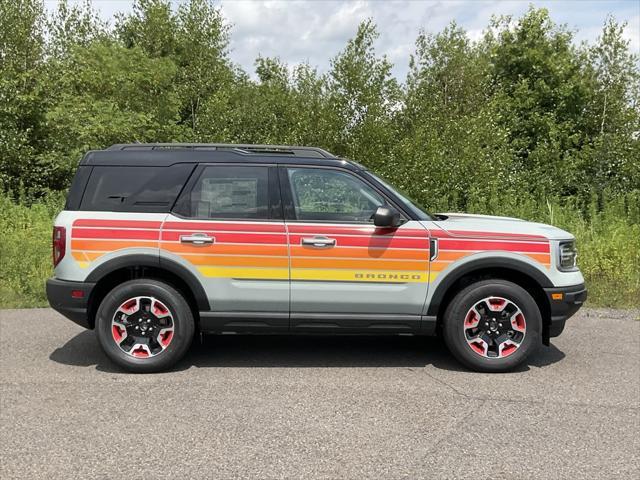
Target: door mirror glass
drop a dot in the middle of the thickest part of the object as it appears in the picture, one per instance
(386, 217)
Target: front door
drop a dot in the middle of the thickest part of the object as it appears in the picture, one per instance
(227, 229)
(345, 272)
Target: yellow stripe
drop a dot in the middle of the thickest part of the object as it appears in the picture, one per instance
(247, 273)
(398, 276)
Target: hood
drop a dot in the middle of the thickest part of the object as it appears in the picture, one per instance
(462, 224)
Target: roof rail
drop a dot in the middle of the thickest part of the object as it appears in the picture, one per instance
(242, 148)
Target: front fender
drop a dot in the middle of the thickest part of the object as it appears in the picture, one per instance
(483, 261)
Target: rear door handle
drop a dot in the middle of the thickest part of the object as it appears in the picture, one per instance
(319, 242)
(197, 239)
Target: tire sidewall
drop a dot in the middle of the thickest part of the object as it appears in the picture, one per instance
(182, 320)
(458, 309)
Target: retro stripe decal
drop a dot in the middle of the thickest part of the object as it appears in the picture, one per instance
(259, 250)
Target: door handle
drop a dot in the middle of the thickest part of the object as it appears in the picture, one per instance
(197, 239)
(319, 242)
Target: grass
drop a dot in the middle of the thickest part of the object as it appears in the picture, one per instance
(608, 242)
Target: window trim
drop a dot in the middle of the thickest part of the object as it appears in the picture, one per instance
(274, 208)
(289, 206)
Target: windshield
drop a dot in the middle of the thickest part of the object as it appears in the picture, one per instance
(406, 201)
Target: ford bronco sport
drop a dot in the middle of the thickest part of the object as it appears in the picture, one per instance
(160, 241)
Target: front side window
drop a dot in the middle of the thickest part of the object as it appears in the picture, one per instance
(239, 192)
(332, 196)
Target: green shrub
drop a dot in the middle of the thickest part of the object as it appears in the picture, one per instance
(25, 250)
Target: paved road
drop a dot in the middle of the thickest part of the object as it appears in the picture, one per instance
(319, 407)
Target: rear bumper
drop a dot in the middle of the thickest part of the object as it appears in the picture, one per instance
(564, 302)
(65, 297)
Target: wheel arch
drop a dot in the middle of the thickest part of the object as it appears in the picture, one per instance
(518, 272)
(139, 266)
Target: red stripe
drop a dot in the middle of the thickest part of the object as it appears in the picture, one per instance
(349, 230)
(231, 227)
(481, 245)
(499, 235)
(88, 222)
(115, 234)
(231, 237)
(374, 242)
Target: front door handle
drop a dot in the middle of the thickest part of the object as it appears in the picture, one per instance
(319, 242)
(197, 239)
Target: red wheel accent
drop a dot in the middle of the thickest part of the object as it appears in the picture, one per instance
(518, 322)
(140, 352)
(118, 333)
(478, 347)
(496, 304)
(472, 319)
(165, 338)
(508, 350)
(130, 306)
(159, 309)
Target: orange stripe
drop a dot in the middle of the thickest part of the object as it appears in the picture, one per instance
(357, 264)
(360, 252)
(447, 258)
(79, 256)
(226, 249)
(238, 261)
(544, 258)
(439, 266)
(446, 255)
(110, 245)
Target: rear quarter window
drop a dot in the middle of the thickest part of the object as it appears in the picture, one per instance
(134, 189)
(76, 190)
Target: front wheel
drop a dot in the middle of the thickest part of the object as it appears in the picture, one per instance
(144, 325)
(492, 326)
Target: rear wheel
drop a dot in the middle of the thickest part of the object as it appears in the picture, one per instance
(144, 325)
(492, 326)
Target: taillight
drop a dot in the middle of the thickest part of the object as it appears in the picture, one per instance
(59, 244)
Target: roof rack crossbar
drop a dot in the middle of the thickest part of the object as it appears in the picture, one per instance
(243, 148)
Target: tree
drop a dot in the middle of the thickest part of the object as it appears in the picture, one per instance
(363, 97)
(541, 92)
(614, 113)
(21, 113)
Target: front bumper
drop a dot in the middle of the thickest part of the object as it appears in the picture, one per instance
(564, 302)
(71, 299)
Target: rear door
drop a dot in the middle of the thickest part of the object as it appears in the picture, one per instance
(345, 272)
(227, 229)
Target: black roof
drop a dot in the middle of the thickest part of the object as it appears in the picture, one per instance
(165, 154)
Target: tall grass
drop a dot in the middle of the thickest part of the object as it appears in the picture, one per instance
(607, 231)
(25, 250)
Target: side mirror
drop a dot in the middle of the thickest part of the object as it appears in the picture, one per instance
(386, 217)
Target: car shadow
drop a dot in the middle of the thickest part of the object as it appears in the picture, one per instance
(296, 351)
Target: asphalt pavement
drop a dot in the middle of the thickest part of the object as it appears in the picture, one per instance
(319, 407)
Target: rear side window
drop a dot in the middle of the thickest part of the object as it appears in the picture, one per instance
(74, 197)
(228, 192)
(134, 189)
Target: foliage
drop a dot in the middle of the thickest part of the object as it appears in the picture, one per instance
(491, 126)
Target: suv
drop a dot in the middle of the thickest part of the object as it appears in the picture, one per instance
(160, 241)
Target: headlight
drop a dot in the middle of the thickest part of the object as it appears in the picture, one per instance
(567, 255)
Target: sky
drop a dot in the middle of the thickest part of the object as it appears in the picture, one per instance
(315, 31)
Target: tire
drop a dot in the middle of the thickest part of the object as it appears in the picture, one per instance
(473, 313)
(144, 325)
